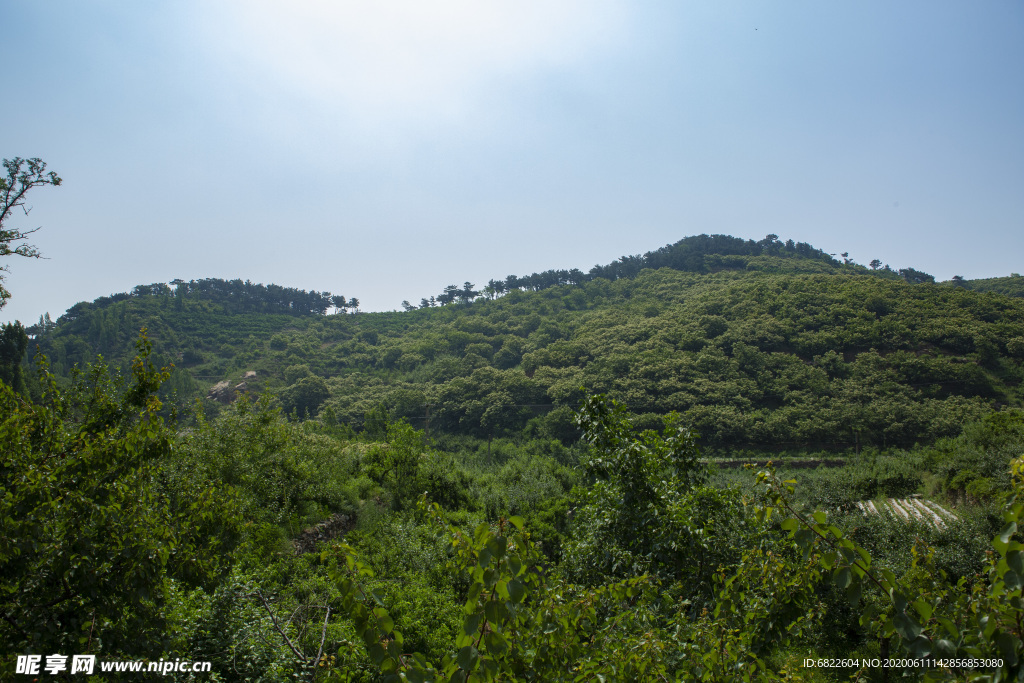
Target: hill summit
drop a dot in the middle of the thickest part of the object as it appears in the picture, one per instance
(756, 344)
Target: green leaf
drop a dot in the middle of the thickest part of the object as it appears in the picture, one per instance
(920, 647)
(495, 643)
(1015, 559)
(853, 593)
(384, 620)
(415, 675)
(949, 626)
(1002, 541)
(516, 590)
(1008, 646)
(517, 522)
(467, 657)
(473, 596)
(376, 652)
(497, 546)
(923, 608)
(495, 611)
(471, 624)
(905, 626)
(360, 613)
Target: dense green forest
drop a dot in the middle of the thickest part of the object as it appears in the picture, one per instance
(783, 349)
(1012, 285)
(528, 482)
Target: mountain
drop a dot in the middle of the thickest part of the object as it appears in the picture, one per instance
(759, 345)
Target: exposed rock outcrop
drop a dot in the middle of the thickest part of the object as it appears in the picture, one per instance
(221, 391)
(334, 526)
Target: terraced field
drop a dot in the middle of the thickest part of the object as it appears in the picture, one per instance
(907, 509)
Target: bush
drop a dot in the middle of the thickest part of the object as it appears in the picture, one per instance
(892, 476)
(278, 469)
(305, 397)
(445, 483)
(1015, 347)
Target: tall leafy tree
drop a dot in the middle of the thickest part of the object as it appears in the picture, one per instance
(467, 293)
(21, 176)
(305, 396)
(649, 510)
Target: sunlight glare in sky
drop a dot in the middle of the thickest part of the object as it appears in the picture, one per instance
(405, 62)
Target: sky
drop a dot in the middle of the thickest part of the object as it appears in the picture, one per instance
(383, 150)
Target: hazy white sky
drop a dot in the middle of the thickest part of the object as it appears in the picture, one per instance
(386, 149)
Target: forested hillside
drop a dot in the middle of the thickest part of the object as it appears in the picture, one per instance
(1013, 285)
(768, 345)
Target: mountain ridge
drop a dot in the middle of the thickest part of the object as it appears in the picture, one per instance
(754, 349)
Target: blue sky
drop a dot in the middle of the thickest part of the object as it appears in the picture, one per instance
(386, 149)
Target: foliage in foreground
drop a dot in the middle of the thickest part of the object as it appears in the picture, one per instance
(90, 538)
(658, 575)
(522, 623)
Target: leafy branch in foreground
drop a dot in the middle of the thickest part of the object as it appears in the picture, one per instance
(522, 622)
(22, 175)
(518, 623)
(929, 617)
(89, 538)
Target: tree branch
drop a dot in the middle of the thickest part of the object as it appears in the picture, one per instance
(284, 635)
(828, 540)
(323, 638)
